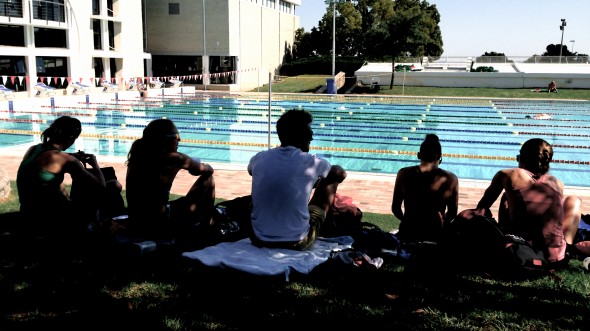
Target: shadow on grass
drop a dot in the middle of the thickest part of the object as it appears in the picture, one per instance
(96, 287)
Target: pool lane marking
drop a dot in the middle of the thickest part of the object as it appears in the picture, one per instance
(336, 149)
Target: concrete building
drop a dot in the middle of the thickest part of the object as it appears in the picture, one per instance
(230, 45)
(59, 42)
(217, 44)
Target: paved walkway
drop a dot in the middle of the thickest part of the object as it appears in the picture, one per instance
(370, 192)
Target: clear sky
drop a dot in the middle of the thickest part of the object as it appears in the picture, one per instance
(512, 27)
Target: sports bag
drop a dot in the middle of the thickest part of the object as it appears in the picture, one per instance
(474, 242)
(233, 220)
(521, 260)
(343, 219)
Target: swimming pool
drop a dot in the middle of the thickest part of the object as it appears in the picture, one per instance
(364, 134)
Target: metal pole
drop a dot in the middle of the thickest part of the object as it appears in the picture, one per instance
(333, 39)
(404, 83)
(269, 105)
(204, 50)
(562, 28)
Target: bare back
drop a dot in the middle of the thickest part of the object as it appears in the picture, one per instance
(148, 185)
(429, 198)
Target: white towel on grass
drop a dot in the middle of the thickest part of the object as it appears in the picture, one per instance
(242, 255)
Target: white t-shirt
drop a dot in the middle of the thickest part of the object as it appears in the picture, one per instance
(282, 181)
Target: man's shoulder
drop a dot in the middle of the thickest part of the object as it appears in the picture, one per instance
(554, 182)
(177, 157)
(265, 152)
(450, 174)
(413, 168)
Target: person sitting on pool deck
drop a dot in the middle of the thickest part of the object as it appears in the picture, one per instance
(552, 87)
(285, 214)
(152, 165)
(533, 206)
(56, 213)
(430, 195)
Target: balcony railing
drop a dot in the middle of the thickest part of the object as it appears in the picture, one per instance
(49, 10)
(11, 8)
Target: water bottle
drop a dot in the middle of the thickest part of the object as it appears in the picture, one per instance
(586, 262)
(221, 211)
(144, 247)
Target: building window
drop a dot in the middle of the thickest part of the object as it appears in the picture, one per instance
(222, 69)
(95, 7)
(110, 11)
(48, 66)
(54, 38)
(171, 65)
(12, 35)
(98, 67)
(286, 7)
(173, 9)
(111, 36)
(12, 66)
(97, 34)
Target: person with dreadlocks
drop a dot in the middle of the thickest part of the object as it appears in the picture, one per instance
(152, 165)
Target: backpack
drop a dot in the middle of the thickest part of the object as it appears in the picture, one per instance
(233, 219)
(472, 242)
(475, 242)
(521, 260)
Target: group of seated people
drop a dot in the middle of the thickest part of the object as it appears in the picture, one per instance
(532, 205)
(153, 161)
(292, 190)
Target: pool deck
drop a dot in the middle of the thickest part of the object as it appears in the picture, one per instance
(370, 192)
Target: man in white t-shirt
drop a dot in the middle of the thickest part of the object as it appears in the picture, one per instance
(285, 214)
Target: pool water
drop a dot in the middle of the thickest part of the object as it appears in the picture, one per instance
(479, 137)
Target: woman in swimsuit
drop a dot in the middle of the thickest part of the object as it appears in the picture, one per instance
(44, 199)
(429, 194)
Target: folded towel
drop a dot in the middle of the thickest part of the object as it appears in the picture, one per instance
(242, 255)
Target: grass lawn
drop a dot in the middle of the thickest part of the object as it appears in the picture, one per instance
(105, 290)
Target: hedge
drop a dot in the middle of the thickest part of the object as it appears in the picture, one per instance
(321, 66)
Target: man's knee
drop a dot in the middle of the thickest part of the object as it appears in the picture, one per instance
(205, 181)
(114, 186)
(572, 204)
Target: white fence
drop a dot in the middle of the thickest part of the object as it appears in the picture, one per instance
(511, 75)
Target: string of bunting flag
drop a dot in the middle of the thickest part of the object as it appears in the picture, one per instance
(21, 80)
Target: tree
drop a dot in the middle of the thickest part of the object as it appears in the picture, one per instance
(412, 31)
(493, 54)
(363, 29)
(492, 57)
(377, 30)
(288, 53)
(553, 50)
(304, 44)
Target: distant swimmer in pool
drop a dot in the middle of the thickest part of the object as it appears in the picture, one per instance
(539, 116)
